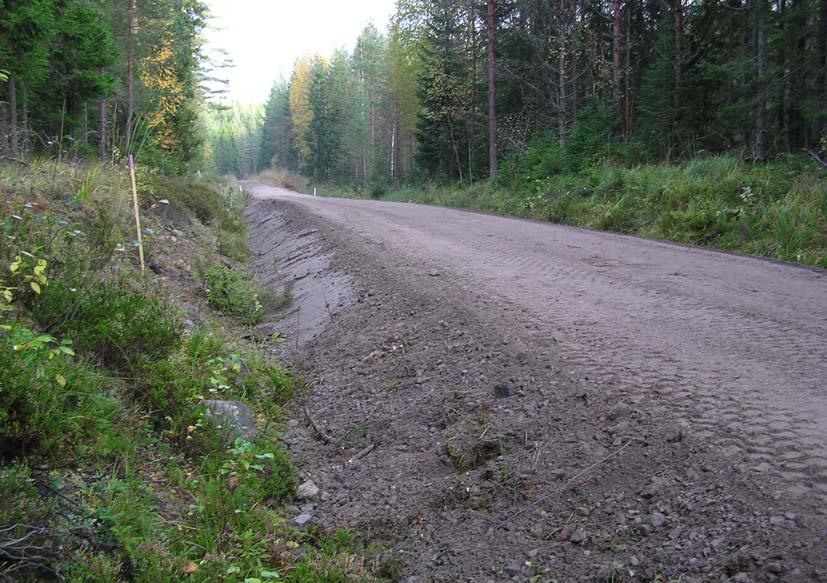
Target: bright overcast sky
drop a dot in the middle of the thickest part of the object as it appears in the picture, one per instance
(265, 37)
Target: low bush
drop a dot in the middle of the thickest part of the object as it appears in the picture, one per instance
(234, 292)
(204, 201)
(50, 401)
(234, 245)
(116, 318)
(147, 487)
(248, 376)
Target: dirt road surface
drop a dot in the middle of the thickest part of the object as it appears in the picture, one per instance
(544, 401)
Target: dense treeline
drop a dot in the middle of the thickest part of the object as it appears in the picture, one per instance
(234, 138)
(585, 80)
(102, 78)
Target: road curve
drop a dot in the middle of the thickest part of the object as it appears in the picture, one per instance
(735, 346)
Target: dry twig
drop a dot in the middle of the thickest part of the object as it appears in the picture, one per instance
(325, 437)
(362, 453)
(571, 480)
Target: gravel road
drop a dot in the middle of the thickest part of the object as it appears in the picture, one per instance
(732, 350)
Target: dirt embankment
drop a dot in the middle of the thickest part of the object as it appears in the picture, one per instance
(485, 436)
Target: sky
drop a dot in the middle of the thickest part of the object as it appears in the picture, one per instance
(265, 37)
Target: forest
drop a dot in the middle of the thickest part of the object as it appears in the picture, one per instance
(582, 80)
(104, 79)
(454, 88)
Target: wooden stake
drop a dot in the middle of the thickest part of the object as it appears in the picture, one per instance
(137, 213)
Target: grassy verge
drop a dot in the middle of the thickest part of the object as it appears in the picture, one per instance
(284, 179)
(778, 209)
(110, 466)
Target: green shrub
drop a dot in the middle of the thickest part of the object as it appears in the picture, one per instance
(170, 391)
(263, 469)
(234, 245)
(202, 200)
(247, 376)
(234, 292)
(19, 499)
(50, 402)
(117, 319)
(378, 189)
(264, 381)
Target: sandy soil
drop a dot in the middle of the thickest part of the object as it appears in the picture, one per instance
(544, 401)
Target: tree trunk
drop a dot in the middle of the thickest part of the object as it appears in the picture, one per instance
(4, 130)
(24, 123)
(130, 73)
(627, 99)
(678, 49)
(822, 65)
(102, 129)
(393, 152)
(616, 61)
(760, 152)
(574, 105)
(492, 113)
(785, 103)
(676, 95)
(14, 141)
(472, 137)
(562, 109)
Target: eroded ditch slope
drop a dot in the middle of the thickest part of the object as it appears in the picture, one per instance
(482, 455)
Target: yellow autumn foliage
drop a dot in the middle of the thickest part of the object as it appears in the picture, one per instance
(300, 110)
(158, 75)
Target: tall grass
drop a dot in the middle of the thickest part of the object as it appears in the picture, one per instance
(284, 179)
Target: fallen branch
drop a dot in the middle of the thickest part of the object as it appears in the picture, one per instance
(571, 480)
(818, 159)
(325, 437)
(21, 550)
(17, 160)
(362, 453)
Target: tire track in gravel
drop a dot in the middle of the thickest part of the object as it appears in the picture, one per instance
(734, 347)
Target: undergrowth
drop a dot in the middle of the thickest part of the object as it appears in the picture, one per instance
(234, 292)
(110, 468)
(284, 179)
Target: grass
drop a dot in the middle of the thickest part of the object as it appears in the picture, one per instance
(110, 468)
(777, 209)
(284, 179)
(234, 292)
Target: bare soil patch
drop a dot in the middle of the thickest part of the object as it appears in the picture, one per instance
(453, 427)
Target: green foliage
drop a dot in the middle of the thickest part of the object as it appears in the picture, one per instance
(442, 122)
(27, 28)
(234, 292)
(264, 469)
(276, 145)
(234, 134)
(326, 125)
(592, 142)
(63, 56)
(202, 199)
(49, 402)
(116, 319)
(212, 205)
